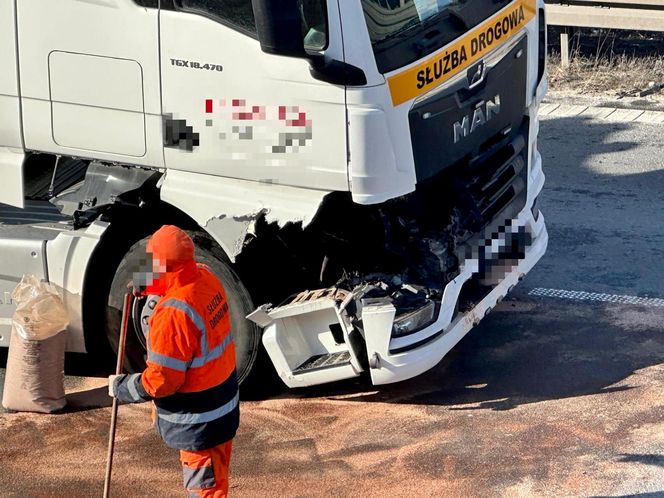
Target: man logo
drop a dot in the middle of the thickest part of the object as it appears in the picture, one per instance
(483, 112)
(475, 74)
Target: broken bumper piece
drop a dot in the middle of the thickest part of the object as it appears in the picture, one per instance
(332, 334)
(309, 340)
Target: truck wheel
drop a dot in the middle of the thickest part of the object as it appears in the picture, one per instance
(246, 334)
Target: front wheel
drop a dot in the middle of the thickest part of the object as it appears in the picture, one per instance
(246, 334)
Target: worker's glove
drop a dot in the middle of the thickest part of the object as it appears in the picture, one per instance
(127, 388)
(113, 381)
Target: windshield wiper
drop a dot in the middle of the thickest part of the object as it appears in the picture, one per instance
(402, 32)
(430, 38)
(454, 14)
(408, 30)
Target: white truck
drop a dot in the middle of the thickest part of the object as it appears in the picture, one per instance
(369, 167)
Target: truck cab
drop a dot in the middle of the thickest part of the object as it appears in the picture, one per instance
(362, 175)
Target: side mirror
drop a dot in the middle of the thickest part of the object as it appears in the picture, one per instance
(279, 27)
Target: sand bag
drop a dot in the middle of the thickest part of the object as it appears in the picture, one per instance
(34, 379)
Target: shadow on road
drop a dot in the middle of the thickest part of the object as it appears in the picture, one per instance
(656, 460)
(555, 350)
(656, 494)
(604, 190)
(88, 400)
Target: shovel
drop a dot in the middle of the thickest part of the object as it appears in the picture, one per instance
(126, 311)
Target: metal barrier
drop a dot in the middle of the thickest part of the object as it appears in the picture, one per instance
(643, 15)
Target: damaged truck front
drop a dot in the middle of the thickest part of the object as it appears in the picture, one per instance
(376, 184)
(441, 221)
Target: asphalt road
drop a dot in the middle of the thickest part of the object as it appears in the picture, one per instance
(546, 397)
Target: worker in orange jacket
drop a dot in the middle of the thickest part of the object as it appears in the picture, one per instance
(190, 371)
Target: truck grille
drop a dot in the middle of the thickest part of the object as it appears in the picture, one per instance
(492, 186)
(471, 144)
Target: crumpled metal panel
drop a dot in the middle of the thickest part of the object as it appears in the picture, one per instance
(227, 208)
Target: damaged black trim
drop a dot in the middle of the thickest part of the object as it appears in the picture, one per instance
(104, 186)
(418, 344)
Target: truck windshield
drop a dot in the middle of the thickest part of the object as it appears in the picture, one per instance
(403, 31)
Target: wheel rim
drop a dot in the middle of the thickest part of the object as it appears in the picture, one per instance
(136, 312)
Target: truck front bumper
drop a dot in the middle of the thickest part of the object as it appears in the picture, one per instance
(395, 359)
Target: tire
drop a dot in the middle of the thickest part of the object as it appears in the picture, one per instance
(246, 334)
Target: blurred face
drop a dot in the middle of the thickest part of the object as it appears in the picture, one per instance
(168, 250)
(147, 270)
(158, 266)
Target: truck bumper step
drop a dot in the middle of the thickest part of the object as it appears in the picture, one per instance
(322, 361)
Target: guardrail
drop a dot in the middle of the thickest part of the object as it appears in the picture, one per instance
(643, 15)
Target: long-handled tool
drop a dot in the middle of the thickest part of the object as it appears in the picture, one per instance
(126, 311)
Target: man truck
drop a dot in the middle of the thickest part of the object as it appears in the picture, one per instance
(362, 175)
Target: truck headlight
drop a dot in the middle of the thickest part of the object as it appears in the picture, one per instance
(414, 320)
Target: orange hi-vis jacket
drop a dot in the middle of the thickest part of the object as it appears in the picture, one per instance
(190, 371)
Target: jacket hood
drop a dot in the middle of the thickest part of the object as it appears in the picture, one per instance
(173, 253)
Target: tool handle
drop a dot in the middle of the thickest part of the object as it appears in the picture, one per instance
(126, 315)
(111, 448)
(126, 312)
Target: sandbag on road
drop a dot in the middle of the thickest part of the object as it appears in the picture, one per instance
(34, 379)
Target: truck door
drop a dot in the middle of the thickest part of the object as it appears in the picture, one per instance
(89, 72)
(231, 110)
(11, 143)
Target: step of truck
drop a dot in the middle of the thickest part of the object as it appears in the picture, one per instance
(323, 361)
(34, 212)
